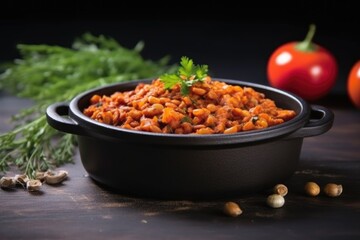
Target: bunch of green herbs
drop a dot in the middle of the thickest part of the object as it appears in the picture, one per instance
(47, 74)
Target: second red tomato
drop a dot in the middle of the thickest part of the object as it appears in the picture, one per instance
(353, 85)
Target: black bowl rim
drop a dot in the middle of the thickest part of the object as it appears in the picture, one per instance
(102, 130)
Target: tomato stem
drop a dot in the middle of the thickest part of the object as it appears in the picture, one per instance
(307, 45)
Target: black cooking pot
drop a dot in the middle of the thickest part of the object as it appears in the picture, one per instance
(176, 166)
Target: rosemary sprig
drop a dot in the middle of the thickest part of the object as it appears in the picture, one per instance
(48, 74)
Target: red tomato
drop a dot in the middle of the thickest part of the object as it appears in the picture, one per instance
(353, 85)
(304, 68)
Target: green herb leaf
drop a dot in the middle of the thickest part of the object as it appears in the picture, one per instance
(184, 89)
(170, 80)
(48, 74)
(201, 71)
(186, 119)
(186, 68)
(187, 75)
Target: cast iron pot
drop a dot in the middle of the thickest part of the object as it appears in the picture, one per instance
(171, 166)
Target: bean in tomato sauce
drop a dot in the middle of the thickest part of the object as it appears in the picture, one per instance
(211, 107)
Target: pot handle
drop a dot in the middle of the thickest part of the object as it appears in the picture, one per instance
(57, 116)
(320, 121)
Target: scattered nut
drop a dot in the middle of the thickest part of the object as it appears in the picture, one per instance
(333, 190)
(275, 201)
(7, 182)
(21, 179)
(280, 189)
(232, 209)
(312, 189)
(40, 176)
(33, 185)
(55, 177)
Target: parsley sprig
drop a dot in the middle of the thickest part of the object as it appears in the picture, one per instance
(187, 75)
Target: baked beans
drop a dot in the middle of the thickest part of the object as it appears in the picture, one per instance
(211, 107)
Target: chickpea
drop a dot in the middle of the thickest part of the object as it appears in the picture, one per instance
(232, 209)
(280, 189)
(275, 201)
(333, 190)
(312, 189)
